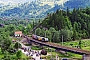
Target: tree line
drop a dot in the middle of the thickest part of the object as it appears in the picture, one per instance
(75, 23)
(7, 47)
(54, 35)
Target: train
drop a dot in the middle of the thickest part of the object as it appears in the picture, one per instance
(39, 38)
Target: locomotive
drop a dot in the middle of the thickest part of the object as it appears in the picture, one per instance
(39, 38)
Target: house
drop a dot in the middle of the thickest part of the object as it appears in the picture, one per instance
(18, 33)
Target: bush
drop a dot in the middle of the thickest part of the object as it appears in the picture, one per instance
(19, 54)
(44, 52)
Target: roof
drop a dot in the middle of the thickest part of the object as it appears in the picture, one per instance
(18, 32)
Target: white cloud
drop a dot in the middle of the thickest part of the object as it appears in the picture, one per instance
(49, 2)
(5, 2)
(61, 2)
(52, 2)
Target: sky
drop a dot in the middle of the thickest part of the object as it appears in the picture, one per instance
(14, 1)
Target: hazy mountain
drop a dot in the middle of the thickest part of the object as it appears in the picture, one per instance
(77, 4)
(39, 8)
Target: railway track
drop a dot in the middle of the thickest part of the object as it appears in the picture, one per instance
(59, 47)
(69, 48)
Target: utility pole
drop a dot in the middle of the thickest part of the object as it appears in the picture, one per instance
(35, 32)
(45, 34)
(62, 40)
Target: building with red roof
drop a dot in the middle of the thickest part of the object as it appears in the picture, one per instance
(18, 33)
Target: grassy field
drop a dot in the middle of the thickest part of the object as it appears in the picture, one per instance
(18, 38)
(35, 48)
(85, 44)
(1, 56)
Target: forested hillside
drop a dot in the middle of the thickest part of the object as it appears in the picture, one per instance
(73, 24)
(37, 8)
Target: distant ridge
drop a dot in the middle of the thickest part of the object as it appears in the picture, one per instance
(39, 8)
